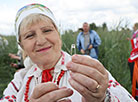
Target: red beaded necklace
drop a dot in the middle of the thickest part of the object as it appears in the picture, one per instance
(30, 78)
(27, 89)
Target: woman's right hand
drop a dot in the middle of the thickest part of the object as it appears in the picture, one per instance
(50, 92)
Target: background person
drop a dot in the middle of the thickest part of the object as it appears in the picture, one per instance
(133, 64)
(88, 41)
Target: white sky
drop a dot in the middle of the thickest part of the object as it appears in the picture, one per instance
(70, 14)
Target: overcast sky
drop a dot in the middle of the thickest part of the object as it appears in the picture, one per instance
(70, 14)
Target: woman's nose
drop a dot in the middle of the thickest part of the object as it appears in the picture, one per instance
(41, 40)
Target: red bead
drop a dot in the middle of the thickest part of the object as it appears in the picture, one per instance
(25, 99)
(27, 88)
(25, 93)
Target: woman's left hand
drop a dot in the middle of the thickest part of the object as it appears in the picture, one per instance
(88, 77)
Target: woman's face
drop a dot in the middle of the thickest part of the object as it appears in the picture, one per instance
(41, 42)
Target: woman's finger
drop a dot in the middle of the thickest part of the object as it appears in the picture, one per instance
(78, 87)
(42, 89)
(87, 94)
(88, 71)
(85, 81)
(56, 95)
(88, 61)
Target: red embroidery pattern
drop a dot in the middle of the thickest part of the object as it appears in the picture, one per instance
(9, 98)
(117, 99)
(13, 97)
(14, 86)
(35, 69)
(112, 83)
(63, 58)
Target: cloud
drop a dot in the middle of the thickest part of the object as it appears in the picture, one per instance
(70, 14)
(99, 11)
(134, 3)
(6, 19)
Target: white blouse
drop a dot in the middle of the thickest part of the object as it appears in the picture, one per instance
(16, 88)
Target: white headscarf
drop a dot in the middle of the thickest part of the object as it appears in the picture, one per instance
(31, 9)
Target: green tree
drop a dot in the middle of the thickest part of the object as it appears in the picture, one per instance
(104, 26)
(93, 26)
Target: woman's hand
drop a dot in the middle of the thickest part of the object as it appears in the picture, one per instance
(88, 77)
(49, 92)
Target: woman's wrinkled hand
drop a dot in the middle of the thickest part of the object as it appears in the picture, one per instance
(88, 77)
(50, 92)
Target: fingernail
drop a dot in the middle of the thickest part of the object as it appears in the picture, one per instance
(70, 90)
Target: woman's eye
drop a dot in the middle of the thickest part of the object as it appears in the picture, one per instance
(49, 30)
(29, 36)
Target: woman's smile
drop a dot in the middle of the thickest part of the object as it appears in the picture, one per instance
(44, 49)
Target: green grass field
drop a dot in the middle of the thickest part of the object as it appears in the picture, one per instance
(113, 53)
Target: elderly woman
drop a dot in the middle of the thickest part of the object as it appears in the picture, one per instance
(55, 76)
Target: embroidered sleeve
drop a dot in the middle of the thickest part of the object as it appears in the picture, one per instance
(116, 92)
(8, 99)
(110, 98)
(9, 94)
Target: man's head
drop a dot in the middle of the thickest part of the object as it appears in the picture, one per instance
(85, 27)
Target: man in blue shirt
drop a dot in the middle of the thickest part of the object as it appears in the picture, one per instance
(88, 41)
